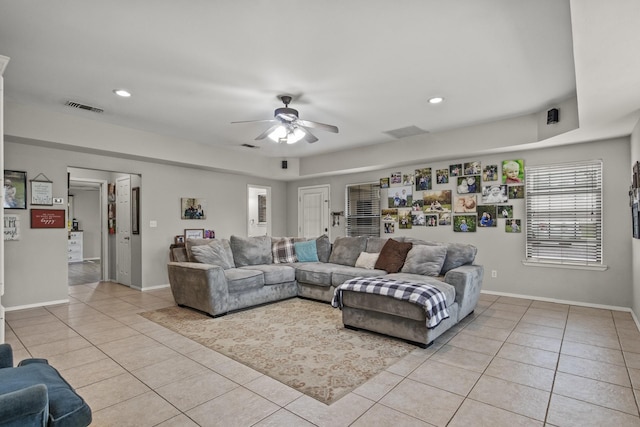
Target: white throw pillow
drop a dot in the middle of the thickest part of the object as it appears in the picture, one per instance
(367, 260)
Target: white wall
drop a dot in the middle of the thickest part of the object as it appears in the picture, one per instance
(504, 252)
(36, 266)
(86, 205)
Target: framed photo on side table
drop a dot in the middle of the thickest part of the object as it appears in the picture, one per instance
(193, 233)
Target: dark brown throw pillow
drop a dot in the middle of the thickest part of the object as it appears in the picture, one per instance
(392, 256)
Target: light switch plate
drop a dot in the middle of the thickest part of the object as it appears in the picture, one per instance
(153, 224)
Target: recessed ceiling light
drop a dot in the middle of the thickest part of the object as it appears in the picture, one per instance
(122, 92)
(436, 100)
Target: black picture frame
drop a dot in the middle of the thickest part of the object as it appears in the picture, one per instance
(135, 210)
(635, 221)
(15, 190)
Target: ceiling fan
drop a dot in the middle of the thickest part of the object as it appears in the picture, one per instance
(288, 127)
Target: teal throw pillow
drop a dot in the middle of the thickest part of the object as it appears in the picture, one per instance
(306, 251)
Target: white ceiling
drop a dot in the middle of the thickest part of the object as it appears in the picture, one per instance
(366, 66)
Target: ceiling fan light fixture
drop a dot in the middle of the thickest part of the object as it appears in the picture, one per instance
(436, 100)
(295, 136)
(278, 133)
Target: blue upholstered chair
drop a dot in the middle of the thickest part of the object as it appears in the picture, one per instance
(35, 394)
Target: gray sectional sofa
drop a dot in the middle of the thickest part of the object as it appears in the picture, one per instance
(217, 276)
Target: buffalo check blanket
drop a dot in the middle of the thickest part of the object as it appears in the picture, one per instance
(429, 297)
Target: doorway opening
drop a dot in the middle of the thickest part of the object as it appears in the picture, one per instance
(92, 210)
(87, 257)
(258, 210)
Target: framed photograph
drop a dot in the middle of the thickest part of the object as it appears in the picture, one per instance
(423, 179)
(634, 223)
(48, 218)
(209, 234)
(512, 226)
(135, 210)
(193, 233)
(487, 216)
(15, 190)
(179, 239)
(513, 171)
(465, 223)
(193, 208)
(41, 192)
(455, 170)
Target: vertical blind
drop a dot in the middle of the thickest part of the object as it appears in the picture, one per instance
(564, 213)
(363, 209)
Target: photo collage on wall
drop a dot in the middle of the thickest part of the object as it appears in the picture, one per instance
(466, 196)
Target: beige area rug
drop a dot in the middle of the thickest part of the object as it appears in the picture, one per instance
(300, 343)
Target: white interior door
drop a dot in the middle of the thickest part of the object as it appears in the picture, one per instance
(313, 211)
(123, 230)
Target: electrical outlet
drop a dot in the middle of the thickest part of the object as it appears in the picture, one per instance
(494, 273)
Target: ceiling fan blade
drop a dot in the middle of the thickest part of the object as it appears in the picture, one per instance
(266, 133)
(316, 125)
(255, 121)
(309, 137)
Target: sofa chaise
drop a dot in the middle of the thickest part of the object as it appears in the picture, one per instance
(219, 276)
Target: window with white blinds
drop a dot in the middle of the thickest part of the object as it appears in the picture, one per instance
(363, 209)
(564, 213)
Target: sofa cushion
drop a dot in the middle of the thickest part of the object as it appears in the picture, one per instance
(274, 274)
(375, 244)
(457, 253)
(65, 406)
(283, 251)
(342, 273)
(347, 249)
(392, 256)
(323, 246)
(215, 252)
(251, 250)
(190, 243)
(241, 279)
(367, 260)
(315, 273)
(306, 251)
(425, 260)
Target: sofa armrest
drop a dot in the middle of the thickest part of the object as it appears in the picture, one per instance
(25, 407)
(467, 280)
(6, 356)
(200, 286)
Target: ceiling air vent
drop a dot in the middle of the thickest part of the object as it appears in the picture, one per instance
(406, 131)
(249, 146)
(79, 106)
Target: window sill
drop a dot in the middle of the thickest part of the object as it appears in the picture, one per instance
(565, 266)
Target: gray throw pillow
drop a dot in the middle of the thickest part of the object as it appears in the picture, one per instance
(323, 246)
(251, 250)
(216, 252)
(425, 260)
(458, 254)
(346, 250)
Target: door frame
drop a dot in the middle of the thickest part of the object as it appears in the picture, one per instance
(326, 187)
(269, 221)
(104, 227)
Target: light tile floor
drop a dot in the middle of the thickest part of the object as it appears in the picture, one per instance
(514, 362)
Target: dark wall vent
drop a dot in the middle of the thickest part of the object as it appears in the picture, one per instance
(249, 146)
(80, 106)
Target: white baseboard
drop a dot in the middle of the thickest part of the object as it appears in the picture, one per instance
(40, 304)
(152, 288)
(560, 301)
